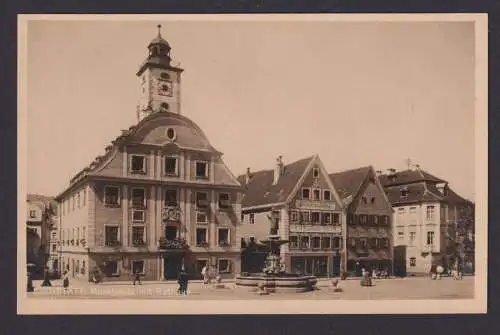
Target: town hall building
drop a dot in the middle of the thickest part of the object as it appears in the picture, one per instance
(159, 199)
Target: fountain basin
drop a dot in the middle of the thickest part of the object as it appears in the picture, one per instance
(279, 283)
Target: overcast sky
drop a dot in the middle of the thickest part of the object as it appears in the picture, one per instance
(356, 93)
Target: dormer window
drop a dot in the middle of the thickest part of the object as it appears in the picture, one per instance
(201, 169)
(138, 164)
(316, 194)
(316, 172)
(327, 195)
(404, 193)
(306, 193)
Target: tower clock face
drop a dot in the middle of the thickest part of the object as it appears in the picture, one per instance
(165, 87)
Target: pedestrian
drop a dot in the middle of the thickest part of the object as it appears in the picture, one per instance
(31, 288)
(204, 273)
(183, 282)
(46, 279)
(137, 278)
(66, 280)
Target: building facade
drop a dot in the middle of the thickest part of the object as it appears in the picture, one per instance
(433, 225)
(304, 201)
(41, 224)
(369, 220)
(159, 199)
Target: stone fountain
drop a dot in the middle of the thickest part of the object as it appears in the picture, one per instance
(273, 277)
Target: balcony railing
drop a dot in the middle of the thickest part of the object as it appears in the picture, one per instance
(112, 243)
(178, 243)
(138, 243)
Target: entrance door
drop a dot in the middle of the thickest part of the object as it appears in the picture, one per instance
(400, 261)
(336, 266)
(172, 266)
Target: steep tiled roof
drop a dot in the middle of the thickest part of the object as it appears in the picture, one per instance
(348, 182)
(423, 192)
(261, 191)
(409, 177)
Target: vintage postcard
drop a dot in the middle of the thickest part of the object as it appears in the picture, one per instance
(205, 164)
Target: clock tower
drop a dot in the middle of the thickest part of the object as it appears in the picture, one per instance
(159, 80)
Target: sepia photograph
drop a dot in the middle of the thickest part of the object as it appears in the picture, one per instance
(204, 164)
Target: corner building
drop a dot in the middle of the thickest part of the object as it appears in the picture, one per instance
(160, 197)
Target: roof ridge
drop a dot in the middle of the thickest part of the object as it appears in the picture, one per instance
(351, 170)
(426, 190)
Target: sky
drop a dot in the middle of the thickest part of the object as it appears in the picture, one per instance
(356, 93)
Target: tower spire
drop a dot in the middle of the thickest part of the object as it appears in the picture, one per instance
(159, 30)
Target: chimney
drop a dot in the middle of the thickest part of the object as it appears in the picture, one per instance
(278, 170)
(247, 176)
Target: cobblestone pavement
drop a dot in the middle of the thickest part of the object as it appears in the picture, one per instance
(386, 289)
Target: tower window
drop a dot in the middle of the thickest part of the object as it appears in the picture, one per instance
(165, 76)
(170, 165)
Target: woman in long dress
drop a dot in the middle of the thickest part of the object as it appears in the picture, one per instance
(66, 280)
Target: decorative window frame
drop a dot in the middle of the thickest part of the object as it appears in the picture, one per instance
(302, 193)
(229, 265)
(319, 218)
(144, 170)
(201, 243)
(207, 167)
(207, 199)
(318, 191)
(430, 213)
(325, 215)
(433, 234)
(312, 239)
(204, 214)
(114, 225)
(294, 216)
(164, 165)
(329, 246)
(304, 214)
(132, 261)
(413, 262)
(144, 234)
(296, 244)
(219, 243)
(144, 201)
(165, 190)
(119, 200)
(228, 206)
(329, 195)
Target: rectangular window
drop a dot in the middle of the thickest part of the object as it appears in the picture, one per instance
(412, 237)
(138, 215)
(73, 201)
(171, 198)
(293, 242)
(413, 262)
(170, 166)
(363, 244)
(201, 217)
(83, 268)
(138, 236)
(316, 242)
(363, 219)
(413, 210)
(201, 170)
(315, 218)
(84, 192)
(138, 198)
(53, 234)
(336, 218)
(304, 242)
(336, 242)
(77, 236)
(430, 213)
(32, 214)
(305, 193)
(327, 195)
(325, 242)
(223, 236)
(327, 218)
(78, 200)
(224, 266)
(401, 211)
(242, 219)
(316, 194)
(138, 266)
(430, 238)
(251, 218)
(401, 235)
(201, 237)
(138, 164)
(294, 216)
(111, 196)
(224, 202)
(315, 172)
(54, 248)
(112, 238)
(111, 268)
(305, 217)
(202, 199)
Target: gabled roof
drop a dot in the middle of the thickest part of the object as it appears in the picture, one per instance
(423, 192)
(348, 182)
(409, 177)
(260, 189)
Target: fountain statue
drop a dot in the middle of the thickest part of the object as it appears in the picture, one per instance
(273, 277)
